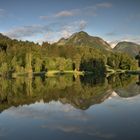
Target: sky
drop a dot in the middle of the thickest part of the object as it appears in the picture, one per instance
(50, 20)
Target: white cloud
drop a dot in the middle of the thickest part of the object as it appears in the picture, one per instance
(65, 33)
(27, 31)
(44, 17)
(49, 32)
(55, 111)
(71, 28)
(88, 11)
(131, 38)
(113, 33)
(64, 14)
(82, 24)
(79, 129)
(104, 5)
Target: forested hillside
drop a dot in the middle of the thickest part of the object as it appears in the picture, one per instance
(28, 57)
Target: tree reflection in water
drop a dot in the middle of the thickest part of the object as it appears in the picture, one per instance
(81, 92)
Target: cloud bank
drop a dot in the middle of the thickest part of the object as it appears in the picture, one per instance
(46, 32)
(88, 11)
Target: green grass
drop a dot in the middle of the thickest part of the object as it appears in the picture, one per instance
(57, 72)
(48, 73)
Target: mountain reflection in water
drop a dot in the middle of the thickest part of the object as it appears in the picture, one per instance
(80, 92)
(69, 107)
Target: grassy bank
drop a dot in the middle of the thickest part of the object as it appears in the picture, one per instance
(56, 72)
(48, 73)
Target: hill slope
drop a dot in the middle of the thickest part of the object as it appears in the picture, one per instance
(83, 39)
(3, 37)
(128, 47)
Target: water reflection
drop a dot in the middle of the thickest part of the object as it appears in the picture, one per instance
(81, 92)
(138, 82)
(126, 85)
(67, 107)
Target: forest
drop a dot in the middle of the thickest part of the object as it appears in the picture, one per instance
(24, 57)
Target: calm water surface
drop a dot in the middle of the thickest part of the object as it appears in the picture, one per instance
(72, 108)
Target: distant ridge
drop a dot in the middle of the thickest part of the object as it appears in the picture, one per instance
(128, 47)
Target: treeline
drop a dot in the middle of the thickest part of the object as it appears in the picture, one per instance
(24, 56)
(117, 60)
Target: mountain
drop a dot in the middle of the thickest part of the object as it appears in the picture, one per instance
(3, 42)
(128, 47)
(3, 37)
(83, 39)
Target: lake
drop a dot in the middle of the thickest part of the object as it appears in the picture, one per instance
(70, 108)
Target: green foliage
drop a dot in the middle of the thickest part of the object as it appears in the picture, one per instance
(58, 63)
(121, 61)
(27, 57)
(137, 57)
(4, 68)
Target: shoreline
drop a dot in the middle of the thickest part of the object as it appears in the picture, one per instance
(53, 73)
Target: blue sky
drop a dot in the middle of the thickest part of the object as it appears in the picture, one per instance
(49, 20)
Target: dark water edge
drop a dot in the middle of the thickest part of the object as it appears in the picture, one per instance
(69, 107)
